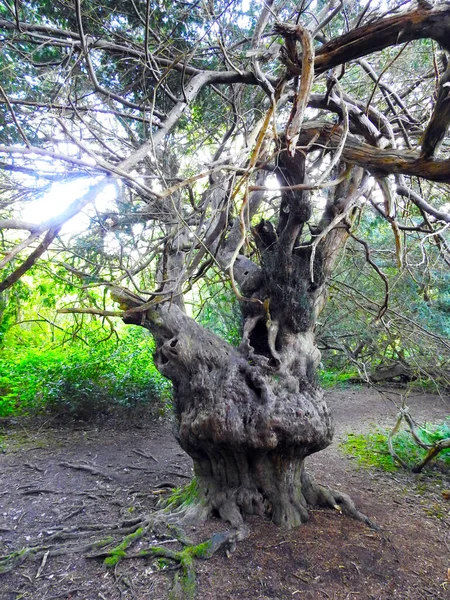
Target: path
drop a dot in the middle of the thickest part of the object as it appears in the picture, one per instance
(69, 478)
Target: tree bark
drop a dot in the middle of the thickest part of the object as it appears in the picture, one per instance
(250, 416)
(247, 422)
(379, 162)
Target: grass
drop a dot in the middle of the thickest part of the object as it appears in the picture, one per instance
(182, 496)
(371, 449)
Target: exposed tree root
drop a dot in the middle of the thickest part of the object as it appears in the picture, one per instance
(10, 561)
(285, 505)
(184, 581)
(318, 495)
(192, 504)
(133, 533)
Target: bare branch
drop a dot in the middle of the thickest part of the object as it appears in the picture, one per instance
(376, 160)
(423, 204)
(30, 261)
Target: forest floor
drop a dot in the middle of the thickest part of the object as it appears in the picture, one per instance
(331, 556)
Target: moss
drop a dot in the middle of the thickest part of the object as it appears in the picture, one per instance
(185, 580)
(117, 553)
(421, 488)
(370, 450)
(111, 561)
(104, 542)
(163, 563)
(16, 554)
(201, 551)
(12, 560)
(185, 585)
(160, 551)
(436, 511)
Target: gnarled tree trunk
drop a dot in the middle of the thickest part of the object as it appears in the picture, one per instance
(250, 416)
(247, 423)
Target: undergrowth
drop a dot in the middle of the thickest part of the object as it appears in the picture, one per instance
(80, 381)
(330, 379)
(371, 449)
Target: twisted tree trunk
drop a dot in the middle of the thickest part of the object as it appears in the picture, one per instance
(249, 416)
(247, 423)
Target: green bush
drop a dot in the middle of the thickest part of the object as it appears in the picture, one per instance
(80, 381)
(220, 312)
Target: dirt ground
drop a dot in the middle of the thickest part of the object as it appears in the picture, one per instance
(43, 496)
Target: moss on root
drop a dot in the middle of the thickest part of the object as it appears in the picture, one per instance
(116, 554)
(14, 559)
(184, 587)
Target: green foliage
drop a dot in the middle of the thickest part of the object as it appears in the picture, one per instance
(371, 449)
(182, 496)
(10, 303)
(330, 379)
(78, 381)
(416, 326)
(220, 312)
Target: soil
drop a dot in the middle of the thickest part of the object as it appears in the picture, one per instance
(331, 556)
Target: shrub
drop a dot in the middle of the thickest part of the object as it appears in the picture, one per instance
(81, 381)
(330, 379)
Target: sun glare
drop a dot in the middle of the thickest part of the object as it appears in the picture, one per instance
(61, 195)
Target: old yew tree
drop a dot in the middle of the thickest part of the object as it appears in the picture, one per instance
(230, 141)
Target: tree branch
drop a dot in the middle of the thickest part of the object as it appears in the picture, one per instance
(378, 161)
(414, 25)
(423, 204)
(30, 261)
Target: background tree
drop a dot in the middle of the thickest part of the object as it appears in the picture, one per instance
(212, 138)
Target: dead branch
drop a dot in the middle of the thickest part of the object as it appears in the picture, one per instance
(432, 453)
(88, 468)
(144, 454)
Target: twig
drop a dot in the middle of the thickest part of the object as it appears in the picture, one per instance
(434, 451)
(136, 468)
(43, 563)
(38, 491)
(35, 467)
(393, 431)
(64, 594)
(75, 512)
(144, 454)
(178, 474)
(88, 468)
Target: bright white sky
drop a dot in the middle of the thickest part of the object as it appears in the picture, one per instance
(61, 195)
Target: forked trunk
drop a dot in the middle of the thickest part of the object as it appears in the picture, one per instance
(250, 416)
